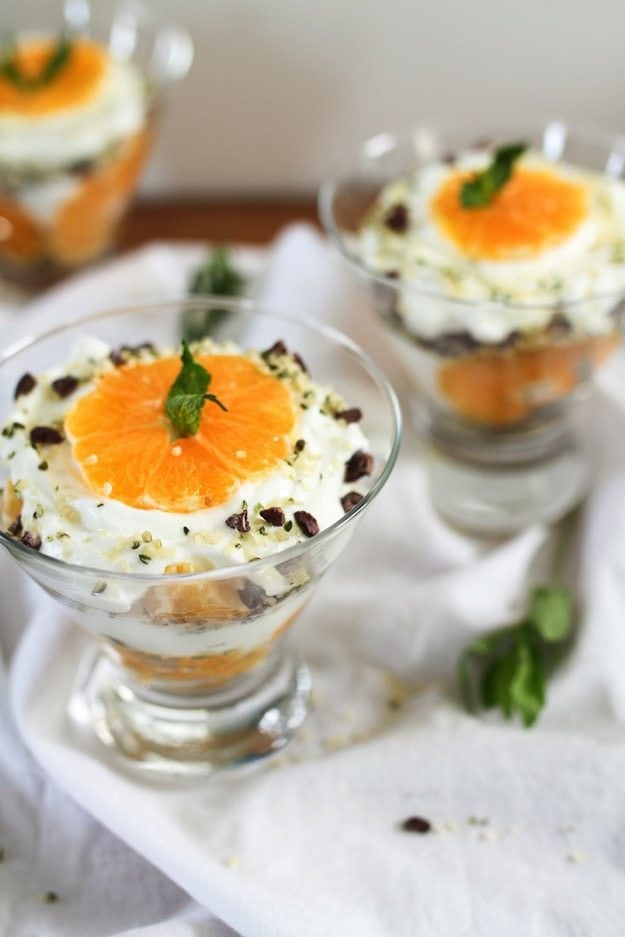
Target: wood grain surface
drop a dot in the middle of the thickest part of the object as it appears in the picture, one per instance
(251, 222)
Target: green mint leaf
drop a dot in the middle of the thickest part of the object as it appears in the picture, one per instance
(11, 70)
(187, 395)
(526, 688)
(216, 277)
(475, 659)
(482, 187)
(551, 613)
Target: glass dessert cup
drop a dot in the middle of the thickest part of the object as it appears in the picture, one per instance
(496, 411)
(67, 175)
(190, 671)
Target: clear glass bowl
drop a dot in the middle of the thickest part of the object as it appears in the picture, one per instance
(189, 671)
(496, 412)
(67, 178)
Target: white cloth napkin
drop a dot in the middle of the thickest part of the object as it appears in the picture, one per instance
(529, 827)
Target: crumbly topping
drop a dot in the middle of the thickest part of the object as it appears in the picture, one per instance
(308, 491)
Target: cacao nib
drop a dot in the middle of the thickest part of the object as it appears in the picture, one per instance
(15, 529)
(252, 595)
(239, 522)
(81, 167)
(298, 360)
(45, 436)
(416, 825)
(64, 386)
(24, 386)
(121, 355)
(361, 463)
(559, 327)
(278, 348)
(32, 541)
(350, 500)
(273, 516)
(306, 523)
(353, 415)
(397, 219)
(451, 344)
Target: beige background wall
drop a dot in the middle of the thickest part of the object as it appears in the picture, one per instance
(282, 90)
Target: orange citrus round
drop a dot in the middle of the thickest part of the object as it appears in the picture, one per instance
(74, 84)
(534, 211)
(127, 449)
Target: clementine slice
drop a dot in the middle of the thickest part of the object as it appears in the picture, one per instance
(84, 225)
(534, 211)
(128, 450)
(21, 238)
(75, 83)
(504, 387)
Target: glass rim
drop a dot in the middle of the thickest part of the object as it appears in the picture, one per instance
(248, 307)
(381, 144)
(76, 18)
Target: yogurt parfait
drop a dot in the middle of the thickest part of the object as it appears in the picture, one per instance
(183, 501)
(76, 126)
(496, 259)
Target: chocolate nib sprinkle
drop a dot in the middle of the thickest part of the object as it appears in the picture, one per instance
(252, 595)
(120, 355)
(273, 516)
(24, 386)
(32, 541)
(416, 825)
(239, 522)
(306, 523)
(64, 386)
(361, 463)
(15, 529)
(278, 348)
(350, 500)
(353, 415)
(45, 436)
(298, 360)
(397, 219)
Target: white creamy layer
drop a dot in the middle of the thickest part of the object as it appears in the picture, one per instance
(444, 291)
(117, 110)
(80, 527)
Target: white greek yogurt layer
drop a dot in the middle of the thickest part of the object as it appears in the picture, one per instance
(78, 526)
(443, 291)
(116, 110)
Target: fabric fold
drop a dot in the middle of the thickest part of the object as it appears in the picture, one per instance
(527, 827)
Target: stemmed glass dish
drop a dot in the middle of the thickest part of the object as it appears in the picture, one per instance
(81, 88)
(497, 344)
(189, 670)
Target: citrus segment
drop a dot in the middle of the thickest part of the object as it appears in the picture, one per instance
(502, 388)
(534, 211)
(128, 450)
(20, 236)
(74, 84)
(85, 224)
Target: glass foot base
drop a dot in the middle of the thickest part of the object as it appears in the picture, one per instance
(501, 500)
(174, 735)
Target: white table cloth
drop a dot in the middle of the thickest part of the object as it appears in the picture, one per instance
(528, 826)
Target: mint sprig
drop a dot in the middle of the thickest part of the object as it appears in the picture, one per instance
(509, 668)
(217, 276)
(11, 70)
(188, 394)
(480, 190)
